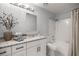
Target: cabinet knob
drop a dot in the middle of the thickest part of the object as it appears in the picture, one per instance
(38, 49)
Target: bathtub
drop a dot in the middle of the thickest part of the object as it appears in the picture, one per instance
(58, 48)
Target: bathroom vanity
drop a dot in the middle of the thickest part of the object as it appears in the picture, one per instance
(35, 46)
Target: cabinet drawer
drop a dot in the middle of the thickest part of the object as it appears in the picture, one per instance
(21, 53)
(18, 48)
(5, 51)
(33, 43)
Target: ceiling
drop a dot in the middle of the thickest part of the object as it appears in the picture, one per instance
(58, 8)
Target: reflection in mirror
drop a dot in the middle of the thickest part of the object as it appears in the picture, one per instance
(32, 22)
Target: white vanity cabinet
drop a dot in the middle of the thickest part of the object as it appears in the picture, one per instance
(19, 50)
(6, 51)
(36, 48)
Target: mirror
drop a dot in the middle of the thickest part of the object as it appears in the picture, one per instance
(32, 22)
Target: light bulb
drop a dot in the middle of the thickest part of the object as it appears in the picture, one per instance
(67, 22)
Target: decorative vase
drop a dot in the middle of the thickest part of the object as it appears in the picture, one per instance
(7, 35)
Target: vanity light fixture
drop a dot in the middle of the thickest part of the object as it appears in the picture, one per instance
(67, 22)
(24, 6)
(45, 4)
(27, 6)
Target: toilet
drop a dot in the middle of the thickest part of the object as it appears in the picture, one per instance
(51, 49)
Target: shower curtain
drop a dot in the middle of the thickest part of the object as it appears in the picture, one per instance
(75, 32)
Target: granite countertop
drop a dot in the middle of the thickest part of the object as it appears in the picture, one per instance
(13, 42)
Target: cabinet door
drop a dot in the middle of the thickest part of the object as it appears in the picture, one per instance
(21, 53)
(32, 51)
(41, 50)
(38, 49)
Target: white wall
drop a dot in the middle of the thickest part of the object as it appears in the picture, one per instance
(20, 14)
(52, 26)
(43, 19)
